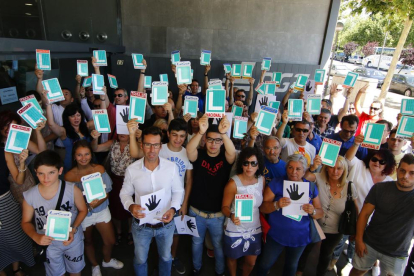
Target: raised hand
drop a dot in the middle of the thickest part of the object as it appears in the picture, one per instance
(95, 134)
(254, 116)
(78, 79)
(41, 125)
(207, 69)
(38, 73)
(294, 192)
(152, 204)
(364, 88)
(124, 115)
(203, 124)
(144, 62)
(23, 156)
(82, 92)
(191, 225)
(264, 101)
(168, 107)
(333, 88)
(251, 80)
(359, 139)
(187, 117)
(254, 132)
(349, 91)
(94, 62)
(45, 98)
(132, 126)
(181, 89)
(285, 117)
(173, 68)
(224, 125)
(308, 86)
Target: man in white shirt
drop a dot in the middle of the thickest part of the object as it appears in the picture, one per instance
(146, 176)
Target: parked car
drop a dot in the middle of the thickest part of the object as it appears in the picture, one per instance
(355, 59)
(340, 56)
(339, 70)
(404, 69)
(371, 73)
(373, 60)
(402, 84)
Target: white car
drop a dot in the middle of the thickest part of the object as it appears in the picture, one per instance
(355, 59)
(373, 60)
(339, 69)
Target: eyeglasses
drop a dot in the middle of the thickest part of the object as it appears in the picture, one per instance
(119, 95)
(375, 108)
(88, 89)
(252, 163)
(351, 108)
(349, 131)
(215, 141)
(301, 130)
(374, 159)
(149, 145)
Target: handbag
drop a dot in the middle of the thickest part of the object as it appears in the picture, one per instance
(316, 233)
(40, 250)
(348, 219)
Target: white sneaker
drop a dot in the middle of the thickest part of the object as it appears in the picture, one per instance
(375, 271)
(114, 263)
(96, 271)
(347, 268)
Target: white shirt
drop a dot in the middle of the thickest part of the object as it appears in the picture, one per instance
(180, 158)
(290, 147)
(141, 181)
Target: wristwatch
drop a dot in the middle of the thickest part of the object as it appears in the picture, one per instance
(75, 230)
(277, 208)
(314, 212)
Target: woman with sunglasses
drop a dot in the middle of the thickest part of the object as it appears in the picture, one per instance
(243, 238)
(287, 233)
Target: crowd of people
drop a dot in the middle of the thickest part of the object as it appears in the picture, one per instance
(192, 167)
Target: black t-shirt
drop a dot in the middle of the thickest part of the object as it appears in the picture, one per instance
(210, 176)
(392, 224)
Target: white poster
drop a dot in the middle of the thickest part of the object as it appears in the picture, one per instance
(122, 113)
(187, 226)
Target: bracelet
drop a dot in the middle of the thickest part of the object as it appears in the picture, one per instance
(102, 99)
(355, 145)
(25, 168)
(223, 133)
(201, 133)
(205, 75)
(230, 215)
(143, 73)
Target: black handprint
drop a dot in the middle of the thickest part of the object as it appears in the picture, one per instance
(152, 204)
(191, 225)
(263, 101)
(293, 194)
(124, 115)
(308, 86)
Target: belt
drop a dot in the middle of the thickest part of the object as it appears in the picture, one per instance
(206, 215)
(153, 226)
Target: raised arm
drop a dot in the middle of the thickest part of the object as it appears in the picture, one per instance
(358, 107)
(104, 147)
(77, 96)
(250, 96)
(231, 96)
(228, 144)
(226, 84)
(168, 108)
(286, 98)
(195, 141)
(134, 146)
(279, 133)
(40, 144)
(18, 173)
(344, 109)
(39, 85)
(56, 129)
(351, 152)
(179, 105)
(142, 78)
(95, 67)
(205, 87)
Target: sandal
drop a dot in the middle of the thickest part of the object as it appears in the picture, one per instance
(118, 239)
(130, 239)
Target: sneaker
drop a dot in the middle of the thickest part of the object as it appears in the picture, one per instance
(347, 268)
(196, 272)
(332, 264)
(178, 265)
(114, 263)
(210, 253)
(96, 271)
(375, 271)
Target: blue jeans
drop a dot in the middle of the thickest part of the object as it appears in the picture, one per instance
(340, 247)
(271, 252)
(215, 227)
(142, 240)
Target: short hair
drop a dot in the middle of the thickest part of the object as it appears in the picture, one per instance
(81, 144)
(381, 115)
(384, 154)
(178, 125)
(240, 90)
(328, 102)
(385, 122)
(70, 91)
(303, 122)
(351, 119)
(195, 80)
(152, 130)
(343, 178)
(245, 154)
(407, 159)
(48, 158)
(327, 111)
(159, 122)
(271, 138)
(393, 131)
(297, 158)
(123, 90)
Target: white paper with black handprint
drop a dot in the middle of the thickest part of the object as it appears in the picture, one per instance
(263, 100)
(155, 206)
(298, 192)
(122, 119)
(309, 89)
(187, 226)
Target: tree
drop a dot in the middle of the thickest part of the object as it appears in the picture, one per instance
(397, 11)
(407, 56)
(349, 48)
(369, 48)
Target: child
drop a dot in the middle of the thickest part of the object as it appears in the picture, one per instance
(61, 257)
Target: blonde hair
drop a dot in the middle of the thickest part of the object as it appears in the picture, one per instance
(159, 122)
(343, 180)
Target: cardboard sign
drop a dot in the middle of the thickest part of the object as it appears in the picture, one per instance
(101, 120)
(55, 93)
(263, 100)
(298, 192)
(227, 68)
(8, 95)
(93, 187)
(270, 87)
(300, 83)
(205, 58)
(295, 109)
(18, 138)
(187, 226)
(147, 81)
(164, 78)
(31, 99)
(113, 83)
(329, 151)
(154, 204)
(137, 61)
(319, 76)
(237, 110)
(191, 106)
(277, 77)
(247, 70)
(100, 56)
(159, 95)
(243, 206)
(58, 225)
(137, 106)
(82, 68)
(87, 82)
(175, 56)
(314, 104)
(405, 128)
(236, 70)
(97, 84)
(275, 105)
(260, 88)
(266, 120)
(215, 103)
(31, 115)
(239, 127)
(43, 60)
(183, 70)
(350, 79)
(215, 84)
(373, 136)
(122, 117)
(266, 63)
(407, 107)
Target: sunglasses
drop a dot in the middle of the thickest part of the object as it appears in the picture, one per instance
(374, 159)
(375, 108)
(301, 130)
(119, 95)
(241, 96)
(96, 106)
(252, 163)
(88, 89)
(349, 131)
(351, 108)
